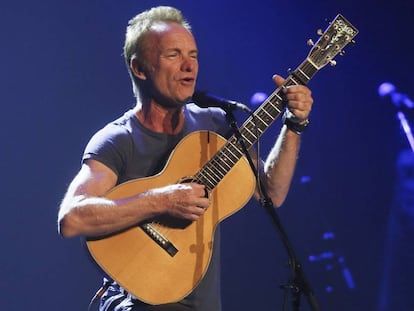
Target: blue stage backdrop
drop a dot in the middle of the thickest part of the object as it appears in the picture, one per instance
(62, 77)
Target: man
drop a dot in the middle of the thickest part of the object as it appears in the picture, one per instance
(161, 55)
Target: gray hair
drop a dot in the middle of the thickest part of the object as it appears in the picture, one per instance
(139, 27)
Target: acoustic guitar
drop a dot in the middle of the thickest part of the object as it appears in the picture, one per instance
(163, 260)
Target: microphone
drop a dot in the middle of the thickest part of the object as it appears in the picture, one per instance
(398, 99)
(205, 100)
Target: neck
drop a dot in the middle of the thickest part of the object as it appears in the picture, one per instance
(159, 118)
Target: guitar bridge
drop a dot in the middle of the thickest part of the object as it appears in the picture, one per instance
(160, 239)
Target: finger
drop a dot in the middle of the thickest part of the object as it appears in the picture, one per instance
(197, 210)
(194, 213)
(199, 190)
(300, 115)
(299, 101)
(279, 80)
(203, 202)
(195, 186)
(297, 89)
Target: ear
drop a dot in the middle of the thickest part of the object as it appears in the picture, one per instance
(137, 69)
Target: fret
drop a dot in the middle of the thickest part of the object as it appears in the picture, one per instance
(224, 160)
(231, 156)
(251, 142)
(271, 111)
(251, 127)
(236, 148)
(264, 111)
(303, 75)
(290, 81)
(208, 173)
(215, 170)
(227, 157)
(274, 99)
(218, 167)
(259, 130)
(298, 82)
(257, 125)
(307, 69)
(202, 180)
(234, 157)
(264, 117)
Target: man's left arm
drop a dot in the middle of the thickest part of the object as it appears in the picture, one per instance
(278, 168)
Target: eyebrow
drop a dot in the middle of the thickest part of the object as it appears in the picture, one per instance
(176, 49)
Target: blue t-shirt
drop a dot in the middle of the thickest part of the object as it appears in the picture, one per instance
(133, 151)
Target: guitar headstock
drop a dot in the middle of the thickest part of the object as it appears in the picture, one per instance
(331, 42)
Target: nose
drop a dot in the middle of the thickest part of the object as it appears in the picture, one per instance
(189, 64)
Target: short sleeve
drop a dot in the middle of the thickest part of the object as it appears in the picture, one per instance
(111, 146)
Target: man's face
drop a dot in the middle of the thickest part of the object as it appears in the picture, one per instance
(172, 64)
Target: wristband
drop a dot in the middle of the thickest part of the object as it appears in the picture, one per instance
(293, 123)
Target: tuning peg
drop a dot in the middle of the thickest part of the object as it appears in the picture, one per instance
(310, 42)
(342, 53)
(319, 32)
(332, 62)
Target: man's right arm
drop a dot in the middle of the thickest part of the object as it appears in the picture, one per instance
(85, 211)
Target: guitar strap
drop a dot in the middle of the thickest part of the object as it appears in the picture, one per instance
(100, 292)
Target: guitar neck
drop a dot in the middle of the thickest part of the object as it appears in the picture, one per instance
(339, 33)
(218, 166)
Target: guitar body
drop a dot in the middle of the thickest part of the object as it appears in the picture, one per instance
(139, 264)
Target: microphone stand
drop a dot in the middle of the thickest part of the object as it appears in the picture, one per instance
(298, 283)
